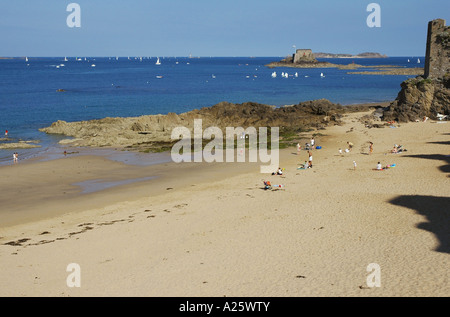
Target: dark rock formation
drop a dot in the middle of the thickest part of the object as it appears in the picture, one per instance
(418, 98)
(157, 129)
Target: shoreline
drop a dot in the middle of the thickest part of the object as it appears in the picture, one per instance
(225, 236)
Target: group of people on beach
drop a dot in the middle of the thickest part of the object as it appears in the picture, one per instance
(308, 146)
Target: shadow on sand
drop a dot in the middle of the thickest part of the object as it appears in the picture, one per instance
(440, 142)
(440, 157)
(436, 210)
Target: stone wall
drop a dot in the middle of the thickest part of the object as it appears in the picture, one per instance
(437, 60)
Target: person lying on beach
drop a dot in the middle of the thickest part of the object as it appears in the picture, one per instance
(398, 149)
(304, 166)
(279, 172)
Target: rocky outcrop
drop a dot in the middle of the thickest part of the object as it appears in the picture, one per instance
(429, 95)
(19, 145)
(420, 98)
(157, 129)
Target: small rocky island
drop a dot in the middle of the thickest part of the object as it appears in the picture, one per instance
(305, 58)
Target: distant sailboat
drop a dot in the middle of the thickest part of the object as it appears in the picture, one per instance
(26, 59)
(418, 61)
(408, 60)
(65, 59)
(158, 62)
(274, 74)
(296, 74)
(322, 75)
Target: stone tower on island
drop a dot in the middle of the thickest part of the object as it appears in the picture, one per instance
(304, 56)
(437, 60)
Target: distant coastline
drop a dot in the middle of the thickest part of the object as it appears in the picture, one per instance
(361, 55)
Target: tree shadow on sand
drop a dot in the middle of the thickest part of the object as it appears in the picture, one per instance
(440, 157)
(436, 210)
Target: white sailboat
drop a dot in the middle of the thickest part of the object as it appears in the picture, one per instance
(65, 59)
(418, 61)
(26, 59)
(408, 60)
(274, 74)
(158, 62)
(322, 75)
(296, 74)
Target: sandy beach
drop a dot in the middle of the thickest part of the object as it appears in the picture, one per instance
(199, 229)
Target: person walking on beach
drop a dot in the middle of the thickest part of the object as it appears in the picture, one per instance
(310, 158)
(354, 165)
(370, 148)
(312, 142)
(350, 146)
(299, 148)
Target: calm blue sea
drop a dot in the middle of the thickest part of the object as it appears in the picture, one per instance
(132, 87)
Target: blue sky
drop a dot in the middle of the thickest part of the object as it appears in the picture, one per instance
(215, 28)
